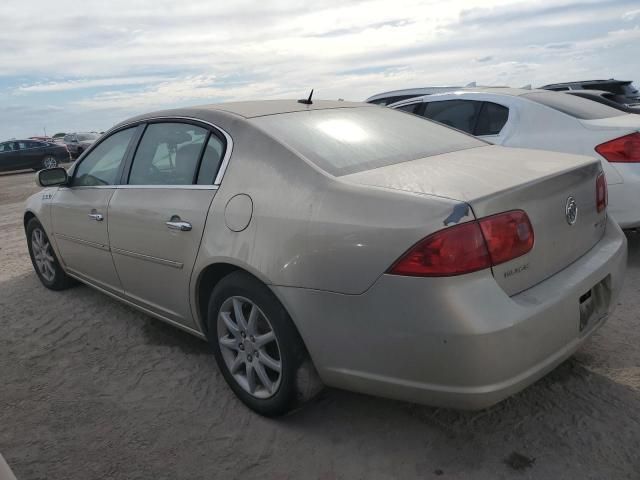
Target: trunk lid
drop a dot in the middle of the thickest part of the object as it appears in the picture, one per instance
(625, 123)
(497, 179)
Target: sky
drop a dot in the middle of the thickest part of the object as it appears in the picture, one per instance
(85, 65)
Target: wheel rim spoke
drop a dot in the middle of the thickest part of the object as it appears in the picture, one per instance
(270, 362)
(237, 363)
(232, 327)
(263, 377)
(229, 343)
(253, 318)
(262, 340)
(237, 308)
(251, 379)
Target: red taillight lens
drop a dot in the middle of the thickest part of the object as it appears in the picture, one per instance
(621, 150)
(602, 195)
(468, 247)
(452, 251)
(508, 235)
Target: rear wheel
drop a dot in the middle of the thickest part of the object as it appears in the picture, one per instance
(257, 347)
(49, 162)
(44, 259)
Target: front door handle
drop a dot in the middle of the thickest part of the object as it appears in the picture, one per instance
(176, 223)
(96, 216)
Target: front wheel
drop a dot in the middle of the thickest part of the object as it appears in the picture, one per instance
(257, 347)
(49, 162)
(44, 259)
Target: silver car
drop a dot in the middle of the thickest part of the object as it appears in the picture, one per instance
(342, 242)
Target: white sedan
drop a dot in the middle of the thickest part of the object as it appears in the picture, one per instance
(546, 120)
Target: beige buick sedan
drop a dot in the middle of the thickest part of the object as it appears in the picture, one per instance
(345, 242)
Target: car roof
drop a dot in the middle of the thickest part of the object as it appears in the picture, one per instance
(513, 92)
(410, 91)
(592, 82)
(254, 108)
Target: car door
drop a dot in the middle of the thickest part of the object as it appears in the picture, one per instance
(9, 158)
(157, 219)
(80, 215)
(33, 154)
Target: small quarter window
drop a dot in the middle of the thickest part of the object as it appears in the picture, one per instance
(411, 108)
(492, 118)
(211, 160)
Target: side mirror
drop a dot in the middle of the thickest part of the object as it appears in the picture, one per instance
(52, 177)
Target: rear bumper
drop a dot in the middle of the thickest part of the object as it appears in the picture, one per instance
(457, 342)
(624, 200)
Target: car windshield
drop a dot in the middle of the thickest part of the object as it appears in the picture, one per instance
(83, 137)
(349, 140)
(571, 105)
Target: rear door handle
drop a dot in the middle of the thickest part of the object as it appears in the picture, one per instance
(176, 223)
(96, 216)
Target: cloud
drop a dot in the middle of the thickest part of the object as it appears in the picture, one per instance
(77, 84)
(631, 15)
(108, 60)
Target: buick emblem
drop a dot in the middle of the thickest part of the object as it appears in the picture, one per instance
(571, 211)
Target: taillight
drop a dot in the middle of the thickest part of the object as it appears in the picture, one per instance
(508, 235)
(602, 195)
(468, 247)
(621, 150)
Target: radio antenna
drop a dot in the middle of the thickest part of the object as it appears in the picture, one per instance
(307, 101)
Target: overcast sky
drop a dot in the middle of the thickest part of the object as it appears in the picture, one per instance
(85, 65)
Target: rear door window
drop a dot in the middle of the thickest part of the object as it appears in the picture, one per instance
(491, 119)
(460, 114)
(168, 154)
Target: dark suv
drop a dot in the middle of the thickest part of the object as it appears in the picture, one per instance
(623, 91)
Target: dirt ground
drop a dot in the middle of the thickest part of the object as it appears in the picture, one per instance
(92, 389)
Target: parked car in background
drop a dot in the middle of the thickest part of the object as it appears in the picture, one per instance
(547, 120)
(623, 90)
(393, 254)
(388, 98)
(78, 142)
(34, 154)
(605, 98)
(42, 139)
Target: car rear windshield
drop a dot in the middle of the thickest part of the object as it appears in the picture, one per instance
(349, 140)
(575, 106)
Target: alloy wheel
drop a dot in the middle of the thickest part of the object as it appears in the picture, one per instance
(49, 162)
(43, 255)
(249, 347)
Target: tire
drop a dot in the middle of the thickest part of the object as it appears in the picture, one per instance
(286, 349)
(52, 276)
(49, 162)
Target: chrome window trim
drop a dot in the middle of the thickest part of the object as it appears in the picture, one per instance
(227, 154)
(146, 187)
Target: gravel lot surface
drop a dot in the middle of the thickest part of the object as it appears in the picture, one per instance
(92, 389)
